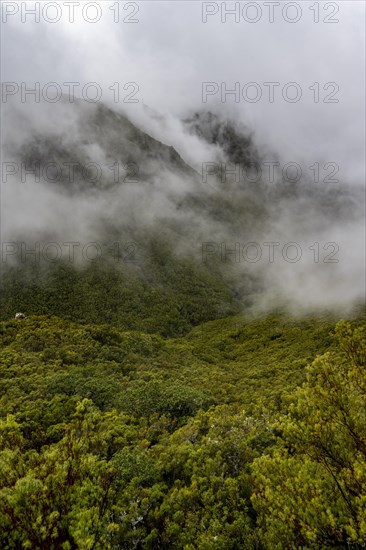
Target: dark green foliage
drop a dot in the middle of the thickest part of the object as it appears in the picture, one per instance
(167, 295)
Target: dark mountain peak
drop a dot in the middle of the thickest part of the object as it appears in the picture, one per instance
(102, 148)
(235, 140)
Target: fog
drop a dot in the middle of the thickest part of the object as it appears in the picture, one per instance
(159, 65)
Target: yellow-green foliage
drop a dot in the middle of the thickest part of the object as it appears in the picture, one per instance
(244, 434)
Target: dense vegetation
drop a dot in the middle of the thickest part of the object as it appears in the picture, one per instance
(164, 294)
(244, 433)
(144, 402)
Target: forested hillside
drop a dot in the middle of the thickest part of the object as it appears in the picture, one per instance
(245, 433)
(172, 392)
(182, 275)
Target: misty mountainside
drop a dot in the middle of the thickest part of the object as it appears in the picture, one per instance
(177, 381)
(98, 136)
(182, 276)
(238, 147)
(167, 239)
